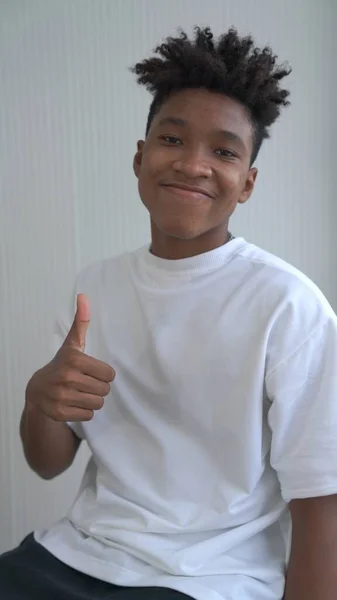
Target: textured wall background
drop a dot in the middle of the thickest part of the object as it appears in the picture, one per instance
(70, 116)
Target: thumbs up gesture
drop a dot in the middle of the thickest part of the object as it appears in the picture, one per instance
(73, 385)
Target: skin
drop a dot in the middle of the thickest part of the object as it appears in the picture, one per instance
(198, 139)
(312, 570)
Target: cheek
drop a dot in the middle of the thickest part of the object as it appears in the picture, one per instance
(143, 188)
(158, 161)
(147, 180)
(154, 168)
(231, 179)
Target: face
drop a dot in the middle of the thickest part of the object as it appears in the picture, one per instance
(193, 169)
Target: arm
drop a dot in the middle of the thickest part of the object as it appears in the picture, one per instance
(49, 446)
(69, 388)
(312, 571)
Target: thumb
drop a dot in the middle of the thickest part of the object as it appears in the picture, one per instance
(78, 331)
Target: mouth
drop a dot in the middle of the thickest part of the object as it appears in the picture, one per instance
(187, 191)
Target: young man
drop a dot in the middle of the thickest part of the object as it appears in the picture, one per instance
(201, 371)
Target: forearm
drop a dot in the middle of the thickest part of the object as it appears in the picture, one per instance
(312, 571)
(49, 446)
(312, 582)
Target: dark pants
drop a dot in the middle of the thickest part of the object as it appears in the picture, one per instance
(30, 572)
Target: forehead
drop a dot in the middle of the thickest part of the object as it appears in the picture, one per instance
(207, 111)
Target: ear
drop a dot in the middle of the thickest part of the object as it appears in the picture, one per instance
(249, 186)
(137, 161)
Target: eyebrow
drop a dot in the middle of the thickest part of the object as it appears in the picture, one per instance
(228, 135)
(173, 121)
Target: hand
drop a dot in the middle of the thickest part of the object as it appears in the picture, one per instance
(73, 385)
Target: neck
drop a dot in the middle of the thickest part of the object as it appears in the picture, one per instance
(171, 248)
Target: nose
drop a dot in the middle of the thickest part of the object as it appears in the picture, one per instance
(193, 165)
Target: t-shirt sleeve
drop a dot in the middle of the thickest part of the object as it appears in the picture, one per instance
(60, 332)
(303, 415)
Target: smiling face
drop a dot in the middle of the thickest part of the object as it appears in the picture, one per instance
(193, 169)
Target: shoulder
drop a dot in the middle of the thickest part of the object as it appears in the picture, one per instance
(275, 269)
(292, 307)
(280, 282)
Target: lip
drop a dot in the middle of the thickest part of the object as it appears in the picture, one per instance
(188, 189)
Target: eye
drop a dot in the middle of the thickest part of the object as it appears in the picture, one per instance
(171, 139)
(225, 153)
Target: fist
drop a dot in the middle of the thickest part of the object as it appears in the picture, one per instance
(73, 385)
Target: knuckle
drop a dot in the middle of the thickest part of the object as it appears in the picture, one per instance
(63, 373)
(68, 376)
(61, 396)
(59, 412)
(76, 360)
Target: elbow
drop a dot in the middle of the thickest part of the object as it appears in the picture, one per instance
(46, 470)
(47, 474)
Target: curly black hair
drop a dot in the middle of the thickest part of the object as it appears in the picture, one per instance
(231, 66)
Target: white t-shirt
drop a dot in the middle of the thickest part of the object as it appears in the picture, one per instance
(224, 408)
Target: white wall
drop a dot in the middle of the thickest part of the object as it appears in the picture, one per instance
(70, 115)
